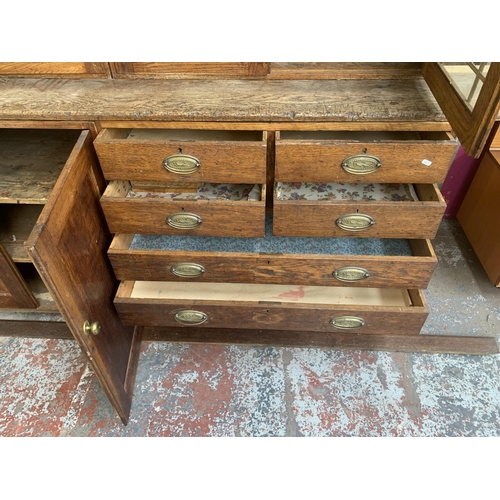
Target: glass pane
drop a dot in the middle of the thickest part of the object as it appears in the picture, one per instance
(467, 78)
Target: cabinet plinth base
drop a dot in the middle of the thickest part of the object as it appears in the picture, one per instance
(433, 344)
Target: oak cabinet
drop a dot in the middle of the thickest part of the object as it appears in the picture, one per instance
(268, 203)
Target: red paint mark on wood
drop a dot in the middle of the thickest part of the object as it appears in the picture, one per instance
(292, 294)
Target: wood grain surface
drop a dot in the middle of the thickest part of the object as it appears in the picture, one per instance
(312, 269)
(401, 219)
(140, 157)
(55, 69)
(14, 292)
(478, 215)
(273, 315)
(31, 161)
(189, 69)
(320, 160)
(36, 329)
(149, 215)
(17, 221)
(398, 341)
(68, 247)
(219, 100)
(472, 125)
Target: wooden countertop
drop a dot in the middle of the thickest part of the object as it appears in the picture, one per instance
(219, 100)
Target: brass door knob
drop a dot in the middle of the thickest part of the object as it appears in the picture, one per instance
(93, 328)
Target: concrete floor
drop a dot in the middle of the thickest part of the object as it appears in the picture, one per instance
(47, 389)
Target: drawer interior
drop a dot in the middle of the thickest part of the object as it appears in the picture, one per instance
(322, 261)
(274, 244)
(186, 191)
(356, 192)
(182, 135)
(345, 191)
(257, 293)
(363, 136)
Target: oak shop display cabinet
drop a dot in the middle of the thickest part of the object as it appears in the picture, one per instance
(262, 203)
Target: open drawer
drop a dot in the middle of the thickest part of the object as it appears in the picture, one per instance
(353, 262)
(211, 209)
(357, 210)
(282, 307)
(385, 157)
(163, 155)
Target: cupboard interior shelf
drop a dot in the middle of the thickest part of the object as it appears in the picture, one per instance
(45, 301)
(31, 161)
(17, 224)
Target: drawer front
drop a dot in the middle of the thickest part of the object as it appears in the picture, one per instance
(201, 218)
(372, 219)
(173, 156)
(369, 319)
(314, 159)
(379, 271)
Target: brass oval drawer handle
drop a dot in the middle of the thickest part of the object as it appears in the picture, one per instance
(350, 274)
(184, 220)
(355, 222)
(190, 318)
(181, 164)
(187, 270)
(347, 322)
(361, 164)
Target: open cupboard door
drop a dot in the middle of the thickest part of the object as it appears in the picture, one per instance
(469, 95)
(68, 246)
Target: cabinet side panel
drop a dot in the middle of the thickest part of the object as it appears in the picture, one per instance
(478, 216)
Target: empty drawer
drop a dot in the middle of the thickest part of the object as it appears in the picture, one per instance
(282, 307)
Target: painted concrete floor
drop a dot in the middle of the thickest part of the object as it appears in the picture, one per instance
(47, 389)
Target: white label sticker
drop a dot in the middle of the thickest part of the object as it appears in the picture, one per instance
(427, 163)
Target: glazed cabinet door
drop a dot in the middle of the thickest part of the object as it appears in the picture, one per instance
(68, 246)
(13, 290)
(469, 95)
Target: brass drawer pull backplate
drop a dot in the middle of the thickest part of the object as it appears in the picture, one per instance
(187, 270)
(361, 164)
(350, 274)
(355, 222)
(347, 322)
(184, 220)
(181, 164)
(191, 318)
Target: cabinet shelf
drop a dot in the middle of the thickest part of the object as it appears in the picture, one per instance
(45, 301)
(31, 161)
(17, 223)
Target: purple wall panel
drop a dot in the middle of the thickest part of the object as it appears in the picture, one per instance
(457, 182)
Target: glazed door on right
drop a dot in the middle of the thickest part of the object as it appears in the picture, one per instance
(469, 95)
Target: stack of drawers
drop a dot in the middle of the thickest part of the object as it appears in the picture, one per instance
(344, 245)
